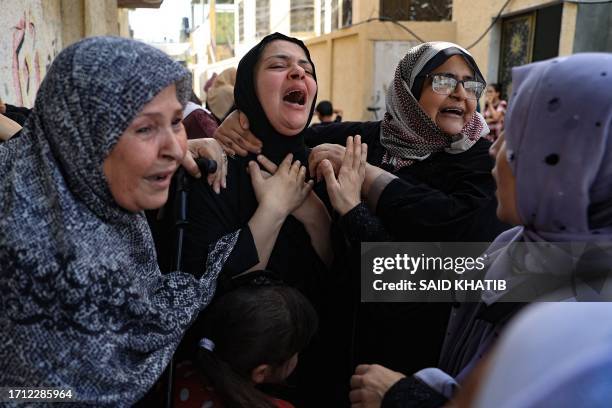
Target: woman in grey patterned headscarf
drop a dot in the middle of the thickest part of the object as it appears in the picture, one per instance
(82, 302)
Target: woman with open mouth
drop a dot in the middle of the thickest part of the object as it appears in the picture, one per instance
(283, 226)
(84, 307)
(428, 178)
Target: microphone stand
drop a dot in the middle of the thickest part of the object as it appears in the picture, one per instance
(183, 183)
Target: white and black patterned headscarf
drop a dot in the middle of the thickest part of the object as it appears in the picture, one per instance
(407, 133)
(83, 304)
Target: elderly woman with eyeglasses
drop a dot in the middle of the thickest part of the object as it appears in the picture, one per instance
(430, 140)
(428, 178)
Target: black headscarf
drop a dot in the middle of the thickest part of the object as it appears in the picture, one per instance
(275, 145)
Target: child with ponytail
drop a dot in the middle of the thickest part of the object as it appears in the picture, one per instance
(250, 336)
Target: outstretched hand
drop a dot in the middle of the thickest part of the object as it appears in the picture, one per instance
(345, 190)
(312, 203)
(210, 149)
(370, 383)
(285, 190)
(234, 135)
(326, 151)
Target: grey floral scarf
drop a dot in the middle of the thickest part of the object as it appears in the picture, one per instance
(83, 304)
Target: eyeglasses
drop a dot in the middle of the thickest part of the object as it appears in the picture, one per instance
(445, 84)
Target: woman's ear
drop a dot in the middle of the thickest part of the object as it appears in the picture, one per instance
(260, 373)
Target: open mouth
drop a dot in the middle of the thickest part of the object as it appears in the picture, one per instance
(453, 111)
(160, 177)
(296, 96)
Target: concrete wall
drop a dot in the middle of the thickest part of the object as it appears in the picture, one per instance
(35, 31)
(87, 18)
(345, 60)
(364, 9)
(72, 11)
(124, 23)
(568, 28)
(101, 17)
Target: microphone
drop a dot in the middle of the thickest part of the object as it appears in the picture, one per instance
(183, 178)
(206, 166)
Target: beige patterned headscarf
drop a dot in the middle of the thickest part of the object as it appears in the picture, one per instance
(407, 133)
(220, 96)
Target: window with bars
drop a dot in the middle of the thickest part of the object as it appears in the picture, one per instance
(322, 16)
(240, 21)
(417, 10)
(302, 15)
(526, 38)
(347, 12)
(334, 16)
(262, 18)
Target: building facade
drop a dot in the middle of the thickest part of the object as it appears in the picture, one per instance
(356, 63)
(529, 31)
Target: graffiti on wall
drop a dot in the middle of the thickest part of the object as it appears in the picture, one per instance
(27, 68)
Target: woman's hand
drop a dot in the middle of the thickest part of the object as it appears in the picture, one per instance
(332, 152)
(285, 190)
(311, 204)
(345, 191)
(234, 135)
(210, 149)
(313, 214)
(8, 128)
(370, 383)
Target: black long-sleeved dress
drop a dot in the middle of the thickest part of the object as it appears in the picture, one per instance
(446, 197)
(294, 260)
(211, 216)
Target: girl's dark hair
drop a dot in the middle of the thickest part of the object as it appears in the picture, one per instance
(250, 326)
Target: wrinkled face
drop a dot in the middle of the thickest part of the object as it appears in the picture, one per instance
(449, 112)
(139, 168)
(507, 210)
(285, 86)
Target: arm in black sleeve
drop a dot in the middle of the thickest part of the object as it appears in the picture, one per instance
(461, 207)
(337, 132)
(410, 392)
(360, 225)
(210, 219)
